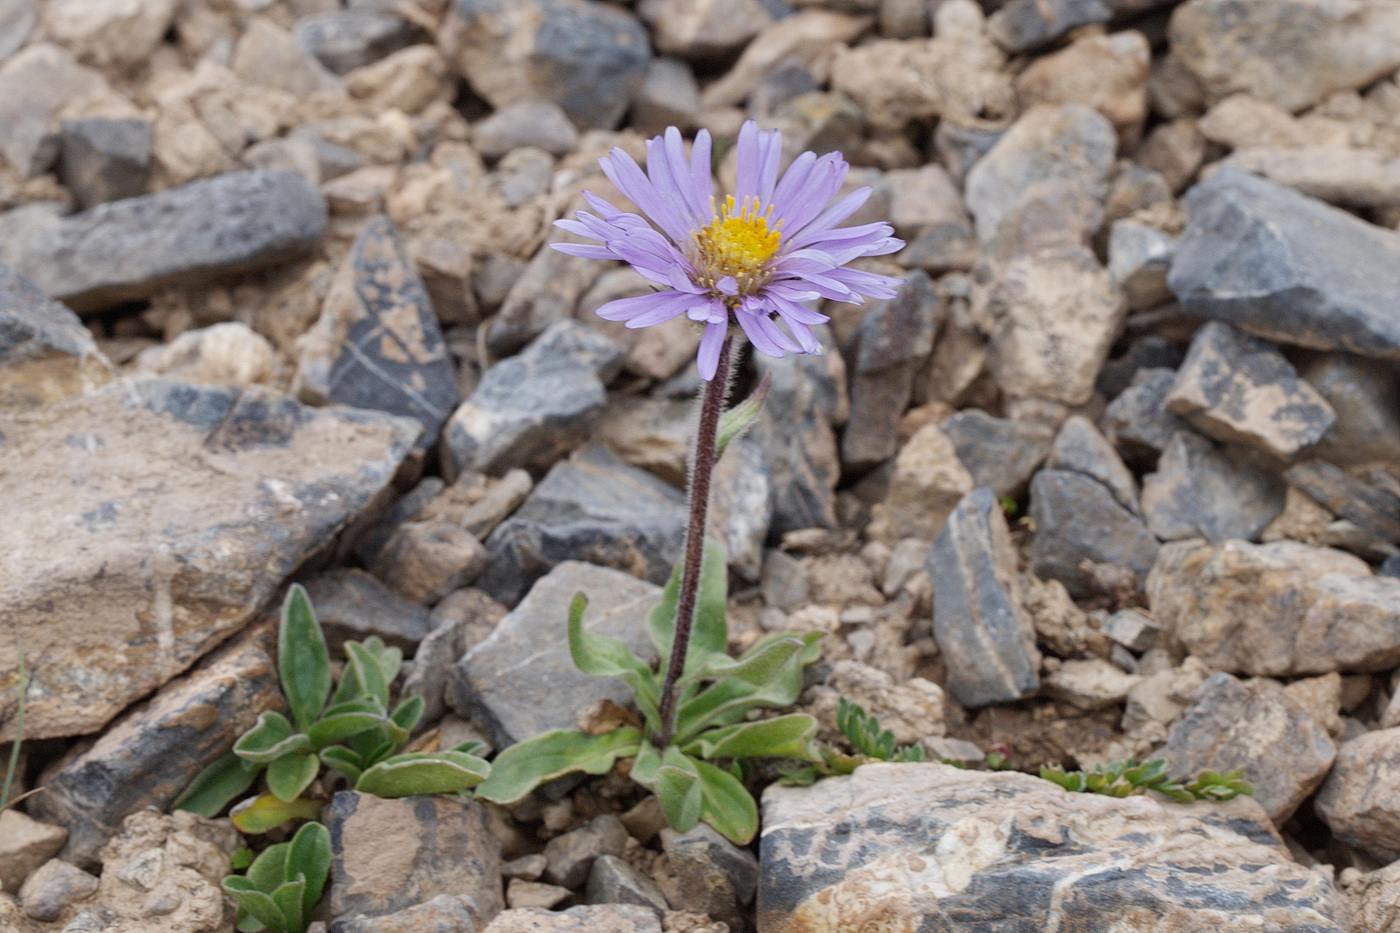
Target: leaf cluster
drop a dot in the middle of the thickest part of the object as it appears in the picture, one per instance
(871, 743)
(282, 885)
(699, 773)
(352, 731)
(1125, 778)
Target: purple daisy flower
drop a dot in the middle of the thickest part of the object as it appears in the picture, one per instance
(752, 260)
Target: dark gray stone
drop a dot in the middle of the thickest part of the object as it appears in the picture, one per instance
(531, 409)
(149, 756)
(521, 681)
(614, 881)
(1077, 519)
(378, 344)
(389, 855)
(104, 160)
(786, 80)
(539, 123)
(1137, 421)
(1023, 25)
(1146, 352)
(1000, 453)
(45, 351)
(1390, 567)
(1256, 726)
(960, 147)
(1200, 491)
(1133, 630)
(405, 508)
(1080, 448)
(344, 40)
(592, 507)
(545, 292)
(1363, 393)
(1288, 267)
(53, 887)
(1139, 257)
(352, 605)
(894, 336)
(741, 506)
(1241, 390)
(446, 913)
(130, 249)
(984, 632)
(569, 857)
(712, 875)
(1375, 511)
(936, 848)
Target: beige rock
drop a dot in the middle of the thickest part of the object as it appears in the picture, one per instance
(53, 888)
(652, 433)
(1239, 121)
(1060, 625)
(928, 483)
(700, 29)
(911, 711)
(114, 35)
(269, 55)
(1106, 72)
(224, 354)
(599, 918)
(927, 197)
(811, 37)
(521, 893)
(478, 502)
(423, 561)
(1159, 698)
(1090, 684)
(25, 844)
(1322, 698)
(47, 353)
(662, 350)
(1302, 520)
(1348, 177)
(1175, 150)
(183, 148)
(1375, 898)
(35, 85)
(408, 80)
(1360, 800)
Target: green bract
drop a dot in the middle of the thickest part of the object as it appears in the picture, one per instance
(282, 885)
(1124, 778)
(865, 735)
(352, 731)
(699, 774)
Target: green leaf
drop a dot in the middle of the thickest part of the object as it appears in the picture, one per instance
(735, 421)
(339, 727)
(257, 905)
(390, 659)
(424, 773)
(217, 786)
(364, 666)
(408, 713)
(288, 898)
(528, 764)
(800, 777)
(709, 633)
(726, 804)
(678, 786)
(270, 868)
(768, 677)
(343, 760)
(600, 656)
(269, 739)
(310, 855)
(291, 774)
(782, 737)
(302, 660)
(645, 765)
(259, 814)
(241, 858)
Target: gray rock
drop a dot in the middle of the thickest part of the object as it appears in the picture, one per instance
(960, 147)
(53, 887)
(130, 249)
(1241, 390)
(446, 913)
(531, 409)
(704, 29)
(569, 857)
(1146, 352)
(17, 17)
(1200, 491)
(1078, 519)
(614, 881)
(709, 874)
(352, 606)
(785, 81)
(1284, 266)
(1356, 178)
(405, 508)
(344, 40)
(1362, 392)
(45, 351)
(741, 506)
(424, 561)
(25, 845)
(1137, 421)
(138, 585)
(1023, 25)
(1133, 630)
(784, 582)
(377, 344)
(929, 846)
(1255, 726)
(389, 855)
(1080, 448)
(35, 85)
(520, 681)
(459, 623)
(592, 507)
(546, 292)
(669, 96)
(587, 57)
(1375, 511)
(1000, 453)
(1359, 801)
(600, 918)
(528, 122)
(893, 337)
(1139, 258)
(1390, 567)
(524, 173)
(981, 626)
(149, 756)
(270, 56)
(105, 160)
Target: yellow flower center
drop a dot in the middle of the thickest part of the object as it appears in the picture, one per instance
(737, 242)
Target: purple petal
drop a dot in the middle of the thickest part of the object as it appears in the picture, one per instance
(710, 344)
(829, 218)
(753, 316)
(586, 250)
(869, 284)
(798, 200)
(792, 311)
(701, 178)
(624, 172)
(758, 152)
(629, 309)
(712, 312)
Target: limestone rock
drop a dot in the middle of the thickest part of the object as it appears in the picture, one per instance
(268, 56)
(1358, 801)
(1023, 25)
(1137, 420)
(150, 583)
(423, 561)
(45, 352)
(1080, 448)
(344, 40)
(669, 96)
(53, 887)
(569, 856)
(17, 18)
(1078, 519)
(808, 37)
(927, 484)
(113, 35)
(1362, 393)
(601, 918)
(446, 913)
(105, 160)
(526, 122)
(1200, 491)
(1105, 72)
(35, 85)
(999, 453)
(25, 844)
(704, 29)
(911, 710)
(1358, 178)
(230, 353)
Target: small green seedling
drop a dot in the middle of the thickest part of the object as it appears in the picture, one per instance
(351, 731)
(871, 743)
(282, 885)
(1125, 778)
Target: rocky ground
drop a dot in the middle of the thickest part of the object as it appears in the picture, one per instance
(1117, 474)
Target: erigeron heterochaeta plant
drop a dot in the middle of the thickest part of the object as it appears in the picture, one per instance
(744, 266)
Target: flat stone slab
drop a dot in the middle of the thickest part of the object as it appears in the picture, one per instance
(128, 250)
(164, 516)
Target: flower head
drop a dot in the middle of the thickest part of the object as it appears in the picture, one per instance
(752, 259)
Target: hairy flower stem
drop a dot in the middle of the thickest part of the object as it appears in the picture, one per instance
(711, 407)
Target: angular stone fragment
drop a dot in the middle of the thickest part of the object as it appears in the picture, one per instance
(139, 585)
(741, 506)
(105, 160)
(25, 844)
(569, 857)
(981, 627)
(446, 913)
(1089, 684)
(53, 887)
(162, 871)
(1080, 448)
(149, 756)
(520, 681)
(601, 918)
(1362, 392)
(377, 344)
(1106, 72)
(1374, 510)
(424, 561)
(388, 855)
(927, 484)
(1137, 421)
(704, 29)
(1000, 453)
(1200, 491)
(1281, 265)
(1240, 390)
(1139, 258)
(669, 96)
(539, 123)
(1255, 726)
(344, 40)
(929, 846)
(711, 875)
(1276, 609)
(1357, 178)
(529, 410)
(613, 881)
(809, 38)
(591, 507)
(128, 250)
(351, 605)
(269, 56)
(1360, 801)
(1022, 25)
(1078, 519)
(45, 351)
(35, 85)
